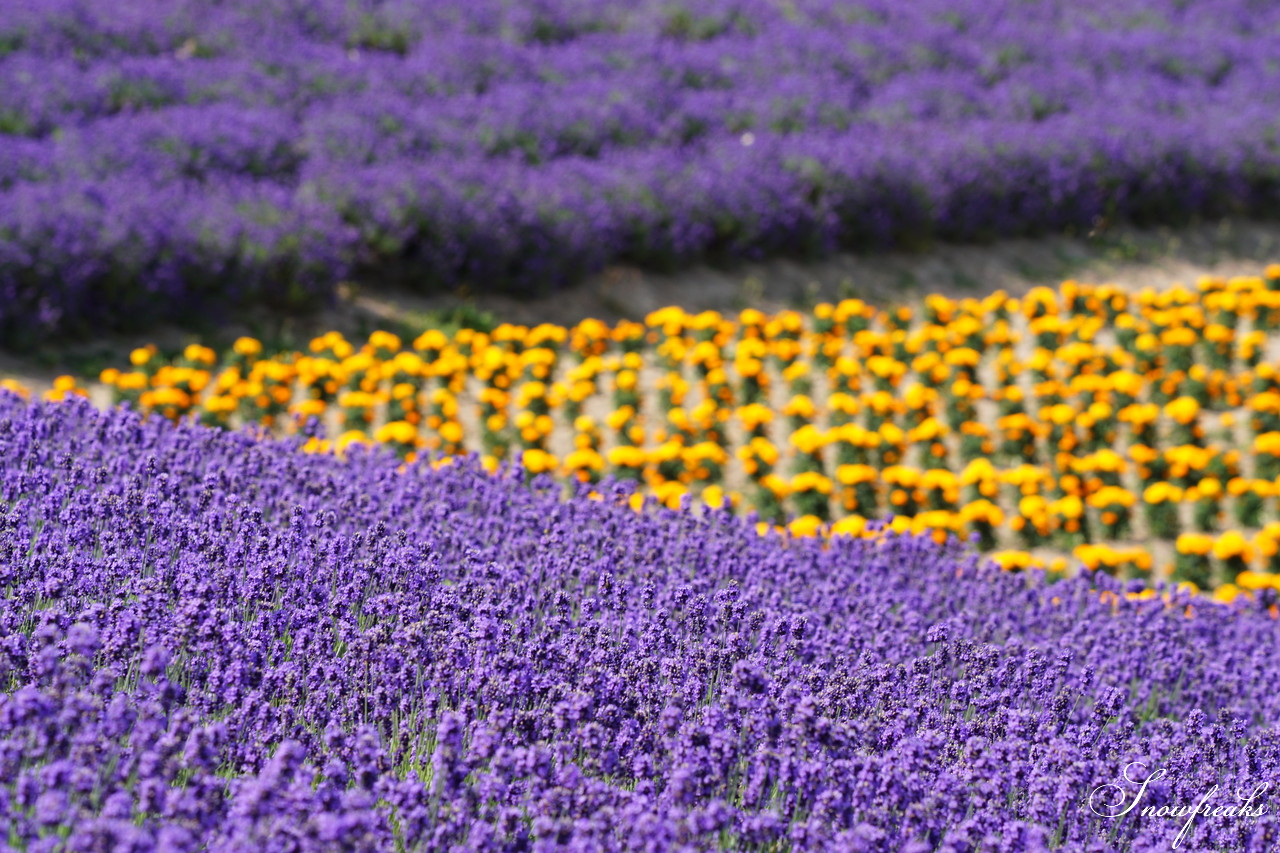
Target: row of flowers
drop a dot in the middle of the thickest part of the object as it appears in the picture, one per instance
(1063, 419)
(217, 643)
(156, 167)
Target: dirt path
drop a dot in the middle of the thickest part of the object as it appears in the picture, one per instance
(1129, 257)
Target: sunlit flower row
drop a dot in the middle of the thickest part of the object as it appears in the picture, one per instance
(1068, 418)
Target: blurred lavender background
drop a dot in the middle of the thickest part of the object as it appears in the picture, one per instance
(160, 160)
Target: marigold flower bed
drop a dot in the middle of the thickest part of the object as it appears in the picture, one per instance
(210, 641)
(1137, 433)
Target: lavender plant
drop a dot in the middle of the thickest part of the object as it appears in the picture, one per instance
(212, 641)
(523, 145)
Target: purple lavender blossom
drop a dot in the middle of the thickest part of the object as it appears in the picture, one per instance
(211, 641)
(521, 146)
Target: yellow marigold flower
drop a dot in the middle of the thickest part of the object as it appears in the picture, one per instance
(900, 524)
(1238, 486)
(1232, 544)
(1092, 556)
(451, 431)
(666, 451)
(805, 525)
(850, 525)
(1217, 333)
(200, 354)
(763, 449)
(1012, 560)
(901, 475)
(626, 456)
(755, 415)
(1139, 413)
(892, 434)
(714, 496)
(777, 485)
(976, 471)
(1257, 580)
(669, 493)
(315, 445)
(1198, 544)
(811, 481)
(356, 400)
(584, 459)
(1266, 544)
(1060, 414)
(1184, 410)
(626, 380)
(1268, 442)
(799, 405)
(1127, 382)
(219, 404)
(252, 347)
(795, 371)
(1181, 336)
(1209, 487)
(538, 461)
(401, 432)
(1070, 506)
(619, 417)
(962, 356)
(141, 355)
(808, 439)
(1227, 593)
(850, 475)
(1024, 475)
(707, 451)
(938, 478)
(1161, 492)
(350, 437)
(928, 430)
(309, 408)
(982, 510)
(1111, 495)
(935, 520)
(170, 397)
(431, 339)
(384, 340)
(1143, 455)
(885, 367)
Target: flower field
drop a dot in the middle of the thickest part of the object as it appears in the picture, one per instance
(162, 160)
(213, 641)
(1133, 433)
(313, 550)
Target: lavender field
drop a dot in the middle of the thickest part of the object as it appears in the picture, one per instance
(212, 642)
(165, 160)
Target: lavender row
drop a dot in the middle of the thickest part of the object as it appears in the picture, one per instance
(124, 252)
(214, 642)
(538, 142)
(505, 224)
(83, 252)
(541, 122)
